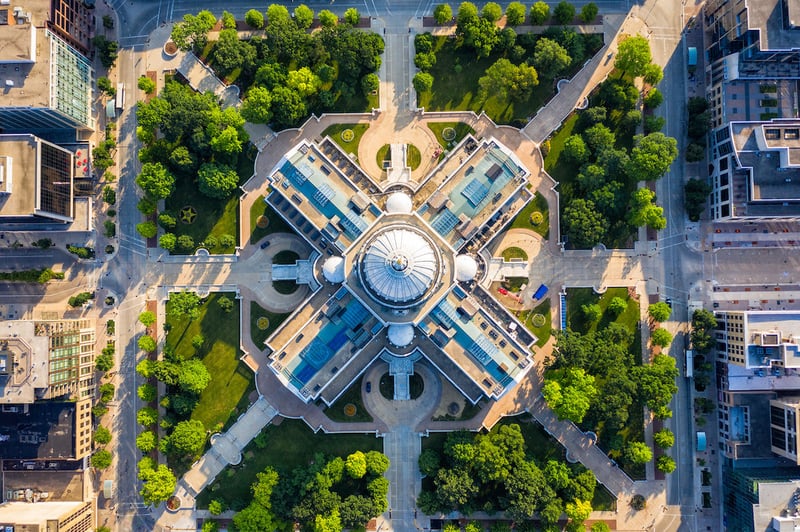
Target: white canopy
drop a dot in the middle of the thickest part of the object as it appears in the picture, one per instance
(466, 268)
(401, 335)
(399, 203)
(333, 269)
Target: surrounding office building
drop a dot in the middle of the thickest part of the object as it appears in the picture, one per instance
(762, 341)
(46, 431)
(36, 181)
(42, 360)
(761, 499)
(399, 283)
(47, 82)
(752, 76)
(784, 414)
(23, 516)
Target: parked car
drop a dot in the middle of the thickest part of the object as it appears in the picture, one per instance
(265, 245)
(369, 387)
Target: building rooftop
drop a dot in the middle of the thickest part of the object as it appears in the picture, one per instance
(770, 152)
(18, 513)
(778, 506)
(23, 362)
(42, 430)
(36, 178)
(59, 485)
(772, 338)
(769, 17)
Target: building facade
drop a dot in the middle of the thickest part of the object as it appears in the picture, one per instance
(20, 516)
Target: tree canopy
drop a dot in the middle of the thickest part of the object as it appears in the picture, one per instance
(442, 13)
(507, 80)
(550, 58)
(192, 31)
(633, 55)
(159, 484)
(188, 437)
(184, 303)
(540, 12)
(569, 393)
(156, 181)
(652, 156)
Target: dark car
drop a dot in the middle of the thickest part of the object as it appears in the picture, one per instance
(369, 387)
(265, 245)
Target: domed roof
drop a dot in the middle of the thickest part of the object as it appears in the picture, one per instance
(466, 268)
(399, 265)
(333, 269)
(399, 203)
(400, 335)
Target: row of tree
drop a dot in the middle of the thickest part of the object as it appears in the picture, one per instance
(563, 14)
(491, 472)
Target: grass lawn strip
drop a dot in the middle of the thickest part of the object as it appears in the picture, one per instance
(275, 319)
(523, 219)
(335, 133)
(514, 252)
(351, 396)
(276, 223)
(461, 130)
(542, 333)
(289, 445)
(231, 380)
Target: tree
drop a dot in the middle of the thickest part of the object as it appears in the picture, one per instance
(107, 49)
(257, 105)
(104, 362)
(454, 488)
(467, 13)
(101, 459)
(146, 393)
(226, 142)
(370, 83)
(217, 180)
(589, 12)
(106, 392)
(229, 53)
(638, 452)
(101, 435)
(352, 16)
(424, 60)
(356, 465)
(564, 12)
(504, 79)
(661, 337)
(147, 318)
(578, 511)
(633, 55)
(651, 156)
(104, 85)
(155, 180)
(377, 463)
(643, 210)
(304, 82)
(184, 303)
(193, 376)
(192, 31)
(515, 13)
(619, 94)
(159, 485)
(600, 526)
(569, 393)
(550, 58)
(617, 305)
(167, 221)
(696, 193)
(147, 416)
(198, 340)
(228, 21)
(659, 312)
(652, 74)
(147, 343)
(327, 19)
(146, 441)
(695, 153)
(303, 16)
(492, 11)
(328, 523)
(167, 241)
(254, 518)
(215, 507)
(540, 12)
(584, 225)
(287, 107)
(443, 14)
(657, 381)
(575, 149)
(254, 18)
(263, 487)
(653, 99)
(653, 123)
(429, 462)
(664, 438)
(423, 82)
(599, 138)
(665, 464)
(527, 490)
(188, 437)
(147, 206)
(592, 312)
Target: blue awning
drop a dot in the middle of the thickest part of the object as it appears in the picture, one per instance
(701, 442)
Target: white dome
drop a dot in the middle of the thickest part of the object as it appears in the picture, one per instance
(399, 203)
(333, 270)
(401, 335)
(399, 265)
(466, 268)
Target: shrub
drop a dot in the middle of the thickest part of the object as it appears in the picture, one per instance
(225, 304)
(147, 229)
(185, 243)
(146, 84)
(101, 459)
(227, 241)
(198, 340)
(167, 241)
(106, 392)
(423, 81)
(215, 507)
(109, 195)
(617, 305)
(661, 337)
(102, 435)
(80, 299)
(81, 251)
(109, 229)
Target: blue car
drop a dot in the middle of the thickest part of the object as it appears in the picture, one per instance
(265, 245)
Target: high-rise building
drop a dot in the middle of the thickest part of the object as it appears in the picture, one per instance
(47, 82)
(759, 340)
(36, 181)
(59, 516)
(761, 499)
(784, 414)
(752, 76)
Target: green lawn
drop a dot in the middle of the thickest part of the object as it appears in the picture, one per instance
(455, 86)
(413, 157)
(276, 223)
(461, 130)
(257, 311)
(577, 297)
(562, 171)
(335, 133)
(542, 333)
(350, 396)
(383, 157)
(231, 380)
(288, 445)
(514, 252)
(214, 217)
(523, 219)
